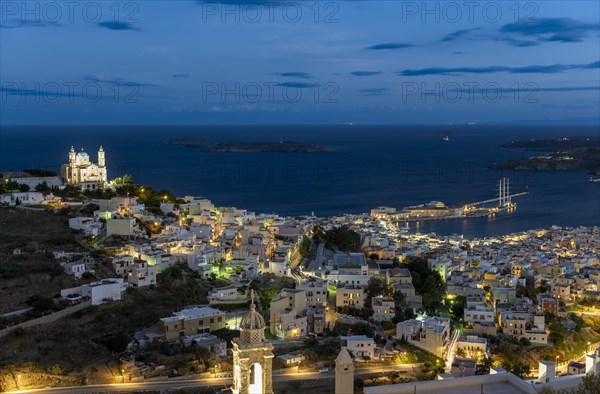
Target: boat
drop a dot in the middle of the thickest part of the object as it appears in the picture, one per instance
(446, 138)
(592, 179)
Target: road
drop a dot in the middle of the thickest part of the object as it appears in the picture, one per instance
(177, 384)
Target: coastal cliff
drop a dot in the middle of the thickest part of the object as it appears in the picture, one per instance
(564, 154)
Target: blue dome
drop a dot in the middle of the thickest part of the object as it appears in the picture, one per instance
(82, 154)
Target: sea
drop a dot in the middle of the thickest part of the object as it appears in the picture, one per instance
(370, 166)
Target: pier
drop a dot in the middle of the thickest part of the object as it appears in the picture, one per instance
(438, 211)
(504, 200)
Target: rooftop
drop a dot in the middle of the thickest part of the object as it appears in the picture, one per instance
(192, 313)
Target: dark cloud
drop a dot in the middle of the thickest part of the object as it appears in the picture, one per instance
(531, 88)
(531, 33)
(115, 81)
(518, 43)
(460, 34)
(374, 92)
(553, 69)
(295, 75)
(570, 89)
(553, 29)
(299, 85)
(15, 24)
(365, 73)
(117, 26)
(180, 76)
(390, 45)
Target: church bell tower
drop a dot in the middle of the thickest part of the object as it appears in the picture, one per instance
(72, 155)
(101, 159)
(344, 372)
(252, 356)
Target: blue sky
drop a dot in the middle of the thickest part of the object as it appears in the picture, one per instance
(236, 62)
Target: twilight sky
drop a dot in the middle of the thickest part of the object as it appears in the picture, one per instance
(236, 62)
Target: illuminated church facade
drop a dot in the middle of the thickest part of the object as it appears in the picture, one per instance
(82, 172)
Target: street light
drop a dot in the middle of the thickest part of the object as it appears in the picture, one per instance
(588, 347)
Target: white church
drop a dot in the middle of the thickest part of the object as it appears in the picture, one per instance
(82, 172)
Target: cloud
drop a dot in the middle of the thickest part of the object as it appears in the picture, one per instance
(295, 75)
(371, 92)
(299, 85)
(15, 24)
(365, 73)
(531, 33)
(565, 30)
(460, 33)
(180, 76)
(553, 69)
(518, 43)
(117, 25)
(390, 45)
(115, 81)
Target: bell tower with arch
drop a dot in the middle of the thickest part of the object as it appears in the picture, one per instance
(252, 356)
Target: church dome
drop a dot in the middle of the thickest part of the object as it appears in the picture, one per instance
(252, 320)
(252, 325)
(82, 154)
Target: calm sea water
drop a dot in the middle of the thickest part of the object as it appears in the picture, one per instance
(371, 166)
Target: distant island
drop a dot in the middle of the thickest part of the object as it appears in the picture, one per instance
(561, 154)
(189, 142)
(237, 147)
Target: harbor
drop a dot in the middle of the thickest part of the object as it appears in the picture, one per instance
(436, 210)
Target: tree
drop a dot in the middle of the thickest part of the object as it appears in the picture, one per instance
(117, 343)
(42, 187)
(377, 287)
(23, 187)
(524, 341)
(128, 180)
(484, 367)
(590, 384)
(304, 247)
(346, 239)
(517, 368)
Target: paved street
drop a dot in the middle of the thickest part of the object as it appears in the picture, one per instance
(176, 384)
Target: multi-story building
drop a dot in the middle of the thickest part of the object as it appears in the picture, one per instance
(479, 313)
(432, 334)
(316, 319)
(125, 226)
(122, 264)
(512, 325)
(288, 314)
(196, 320)
(360, 346)
(349, 295)
(142, 274)
(397, 275)
(472, 345)
(316, 292)
(383, 309)
(549, 305)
